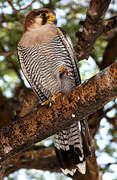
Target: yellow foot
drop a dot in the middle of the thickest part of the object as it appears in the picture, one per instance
(52, 99)
(63, 70)
(55, 96)
(45, 102)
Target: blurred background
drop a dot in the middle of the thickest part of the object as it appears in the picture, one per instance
(14, 87)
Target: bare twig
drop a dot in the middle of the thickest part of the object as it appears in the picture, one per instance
(11, 4)
(26, 6)
(8, 53)
(9, 59)
(109, 109)
(108, 165)
(15, 11)
(113, 121)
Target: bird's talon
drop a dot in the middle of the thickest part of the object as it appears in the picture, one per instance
(45, 102)
(59, 94)
(53, 98)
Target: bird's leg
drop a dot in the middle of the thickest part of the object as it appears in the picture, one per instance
(45, 102)
(63, 70)
(53, 98)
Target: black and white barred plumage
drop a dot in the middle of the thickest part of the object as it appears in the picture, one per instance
(40, 65)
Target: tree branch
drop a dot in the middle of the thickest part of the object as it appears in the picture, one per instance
(110, 53)
(113, 121)
(8, 53)
(46, 121)
(22, 9)
(94, 121)
(93, 27)
(36, 158)
(109, 24)
(9, 59)
(15, 11)
(42, 158)
(5, 111)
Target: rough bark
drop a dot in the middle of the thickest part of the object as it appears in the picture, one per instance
(110, 53)
(18, 137)
(36, 158)
(46, 121)
(5, 113)
(45, 159)
(94, 26)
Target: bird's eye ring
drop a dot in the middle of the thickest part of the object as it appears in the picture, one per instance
(43, 15)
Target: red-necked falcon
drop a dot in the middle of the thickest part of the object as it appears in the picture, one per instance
(49, 63)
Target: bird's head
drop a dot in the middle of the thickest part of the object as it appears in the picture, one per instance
(40, 17)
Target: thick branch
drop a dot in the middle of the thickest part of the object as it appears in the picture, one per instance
(35, 158)
(93, 27)
(110, 53)
(46, 121)
(5, 111)
(45, 159)
(94, 121)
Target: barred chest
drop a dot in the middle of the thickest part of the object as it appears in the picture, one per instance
(43, 63)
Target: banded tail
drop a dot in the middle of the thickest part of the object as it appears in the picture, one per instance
(72, 146)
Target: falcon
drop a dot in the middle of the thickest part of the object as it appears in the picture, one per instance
(49, 63)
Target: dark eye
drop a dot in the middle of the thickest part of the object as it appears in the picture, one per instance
(43, 15)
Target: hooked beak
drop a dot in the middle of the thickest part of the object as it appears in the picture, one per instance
(55, 21)
(52, 20)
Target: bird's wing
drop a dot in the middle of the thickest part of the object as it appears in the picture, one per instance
(73, 144)
(84, 125)
(68, 44)
(25, 56)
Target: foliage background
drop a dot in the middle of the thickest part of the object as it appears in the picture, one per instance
(69, 14)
